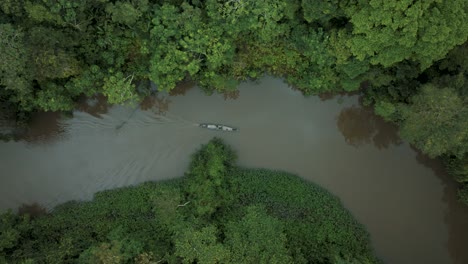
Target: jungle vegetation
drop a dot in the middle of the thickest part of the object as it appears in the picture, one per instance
(409, 58)
(217, 213)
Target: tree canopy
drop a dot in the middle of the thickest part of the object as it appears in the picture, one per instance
(49, 48)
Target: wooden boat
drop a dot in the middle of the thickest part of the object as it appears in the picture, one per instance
(218, 127)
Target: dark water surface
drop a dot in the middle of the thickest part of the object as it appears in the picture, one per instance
(404, 199)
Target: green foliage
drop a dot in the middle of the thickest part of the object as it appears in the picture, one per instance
(436, 122)
(12, 7)
(321, 11)
(310, 65)
(198, 49)
(52, 52)
(12, 227)
(124, 13)
(119, 221)
(87, 82)
(38, 12)
(257, 238)
(166, 203)
(388, 32)
(115, 251)
(50, 55)
(119, 89)
(257, 19)
(458, 167)
(463, 194)
(53, 98)
(14, 75)
(200, 246)
(104, 253)
(207, 182)
(321, 231)
(430, 107)
(267, 217)
(385, 109)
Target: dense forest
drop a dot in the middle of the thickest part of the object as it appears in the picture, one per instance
(409, 58)
(217, 213)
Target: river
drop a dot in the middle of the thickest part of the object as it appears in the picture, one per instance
(404, 199)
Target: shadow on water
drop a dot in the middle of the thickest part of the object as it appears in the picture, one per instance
(48, 127)
(182, 88)
(360, 126)
(231, 95)
(44, 128)
(411, 219)
(332, 95)
(37, 127)
(33, 210)
(159, 104)
(95, 105)
(456, 215)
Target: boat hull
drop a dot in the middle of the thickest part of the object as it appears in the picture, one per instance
(218, 127)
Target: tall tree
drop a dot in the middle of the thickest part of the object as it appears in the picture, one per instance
(436, 121)
(207, 185)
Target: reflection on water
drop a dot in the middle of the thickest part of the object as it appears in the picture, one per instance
(182, 88)
(231, 95)
(33, 210)
(360, 126)
(95, 105)
(7, 122)
(158, 103)
(408, 207)
(44, 128)
(456, 215)
(334, 95)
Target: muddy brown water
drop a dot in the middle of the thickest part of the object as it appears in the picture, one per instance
(404, 199)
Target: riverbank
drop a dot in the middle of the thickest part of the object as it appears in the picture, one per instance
(217, 213)
(335, 143)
